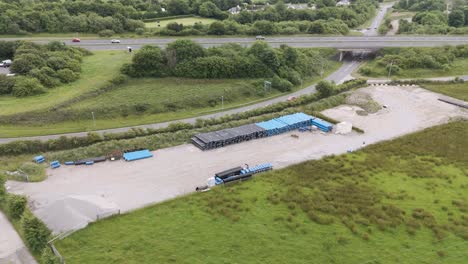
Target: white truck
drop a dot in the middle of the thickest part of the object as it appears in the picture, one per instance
(5, 63)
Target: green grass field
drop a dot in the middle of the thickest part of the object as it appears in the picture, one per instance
(458, 67)
(455, 90)
(186, 21)
(401, 201)
(97, 70)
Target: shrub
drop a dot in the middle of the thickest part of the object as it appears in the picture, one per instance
(48, 257)
(16, 205)
(35, 232)
(67, 75)
(26, 86)
(365, 70)
(140, 31)
(325, 88)
(2, 187)
(6, 84)
(281, 85)
(106, 33)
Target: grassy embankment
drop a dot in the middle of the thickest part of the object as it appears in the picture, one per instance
(455, 90)
(458, 67)
(401, 201)
(148, 94)
(186, 21)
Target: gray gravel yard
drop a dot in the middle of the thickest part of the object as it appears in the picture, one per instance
(73, 195)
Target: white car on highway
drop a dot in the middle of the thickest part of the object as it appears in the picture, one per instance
(115, 41)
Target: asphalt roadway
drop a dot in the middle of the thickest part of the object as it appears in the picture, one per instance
(339, 42)
(338, 76)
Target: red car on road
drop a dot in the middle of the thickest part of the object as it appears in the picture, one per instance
(76, 40)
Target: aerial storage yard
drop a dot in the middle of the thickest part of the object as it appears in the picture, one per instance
(72, 196)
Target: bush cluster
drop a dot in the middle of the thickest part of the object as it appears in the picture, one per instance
(39, 67)
(412, 58)
(185, 58)
(261, 27)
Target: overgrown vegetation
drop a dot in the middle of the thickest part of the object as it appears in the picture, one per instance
(431, 19)
(185, 58)
(39, 67)
(22, 17)
(397, 201)
(324, 18)
(418, 62)
(455, 90)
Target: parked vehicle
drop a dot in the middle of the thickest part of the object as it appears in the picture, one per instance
(115, 41)
(5, 63)
(260, 37)
(76, 40)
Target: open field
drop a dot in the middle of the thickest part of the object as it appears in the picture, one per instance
(150, 97)
(401, 201)
(401, 15)
(458, 67)
(455, 90)
(186, 21)
(163, 177)
(97, 70)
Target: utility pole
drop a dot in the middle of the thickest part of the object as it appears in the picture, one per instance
(222, 101)
(390, 69)
(94, 120)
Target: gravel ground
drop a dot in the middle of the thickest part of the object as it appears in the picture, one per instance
(178, 170)
(12, 249)
(4, 70)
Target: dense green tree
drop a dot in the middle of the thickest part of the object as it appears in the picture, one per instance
(181, 50)
(178, 7)
(26, 86)
(6, 84)
(217, 28)
(325, 88)
(149, 60)
(456, 18)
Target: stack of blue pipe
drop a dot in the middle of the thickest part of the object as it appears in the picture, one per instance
(55, 164)
(39, 159)
(322, 125)
(258, 168)
(286, 123)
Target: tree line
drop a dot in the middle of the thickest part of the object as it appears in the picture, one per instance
(39, 67)
(119, 16)
(21, 17)
(278, 19)
(432, 19)
(284, 66)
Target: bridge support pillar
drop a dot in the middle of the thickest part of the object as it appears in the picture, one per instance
(341, 55)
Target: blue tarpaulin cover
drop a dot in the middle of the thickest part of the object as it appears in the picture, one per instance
(136, 155)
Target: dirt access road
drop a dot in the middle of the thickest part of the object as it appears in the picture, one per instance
(72, 196)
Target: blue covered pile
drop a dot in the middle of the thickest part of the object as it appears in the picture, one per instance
(136, 155)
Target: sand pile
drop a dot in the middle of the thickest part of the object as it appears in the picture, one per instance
(75, 212)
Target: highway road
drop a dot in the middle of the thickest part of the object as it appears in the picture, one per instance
(374, 27)
(340, 42)
(338, 76)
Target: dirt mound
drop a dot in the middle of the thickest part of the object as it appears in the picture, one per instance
(364, 101)
(75, 212)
